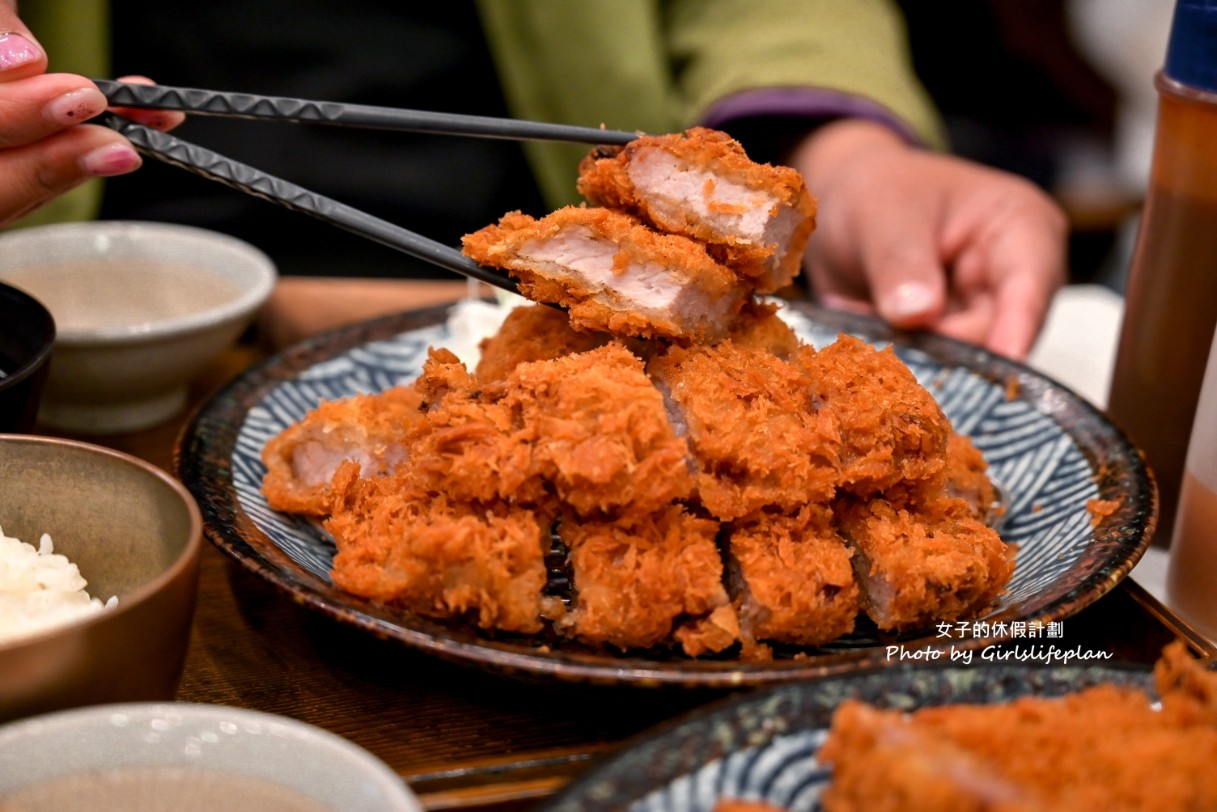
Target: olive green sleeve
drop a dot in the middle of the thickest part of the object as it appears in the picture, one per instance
(76, 37)
(854, 52)
(663, 66)
(585, 62)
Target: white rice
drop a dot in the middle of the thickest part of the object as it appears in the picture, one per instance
(40, 589)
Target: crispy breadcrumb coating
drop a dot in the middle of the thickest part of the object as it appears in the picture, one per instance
(756, 440)
(964, 476)
(756, 218)
(968, 478)
(792, 578)
(636, 582)
(532, 332)
(373, 430)
(599, 432)
(403, 545)
(892, 429)
(469, 446)
(612, 273)
(759, 326)
(919, 562)
(713, 633)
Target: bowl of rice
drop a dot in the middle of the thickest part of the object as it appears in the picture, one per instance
(98, 573)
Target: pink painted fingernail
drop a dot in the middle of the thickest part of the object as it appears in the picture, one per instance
(76, 106)
(113, 159)
(16, 50)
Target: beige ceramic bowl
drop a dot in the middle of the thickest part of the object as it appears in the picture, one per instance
(140, 309)
(141, 757)
(134, 533)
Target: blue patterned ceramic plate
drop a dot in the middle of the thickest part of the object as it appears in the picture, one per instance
(763, 747)
(1049, 451)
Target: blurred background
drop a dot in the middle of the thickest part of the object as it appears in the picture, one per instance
(1059, 91)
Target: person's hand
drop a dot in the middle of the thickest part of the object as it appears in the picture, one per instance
(930, 241)
(45, 147)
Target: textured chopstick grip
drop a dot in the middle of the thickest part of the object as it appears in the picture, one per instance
(278, 108)
(216, 167)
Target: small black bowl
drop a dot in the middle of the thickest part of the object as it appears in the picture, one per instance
(27, 334)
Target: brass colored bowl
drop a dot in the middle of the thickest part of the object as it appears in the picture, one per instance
(135, 533)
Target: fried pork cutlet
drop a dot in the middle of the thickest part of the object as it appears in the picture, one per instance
(757, 218)
(921, 562)
(1104, 747)
(372, 430)
(635, 583)
(892, 429)
(967, 477)
(791, 580)
(586, 429)
(599, 432)
(460, 528)
(532, 332)
(404, 545)
(760, 327)
(612, 273)
(443, 374)
(755, 439)
(471, 450)
(455, 438)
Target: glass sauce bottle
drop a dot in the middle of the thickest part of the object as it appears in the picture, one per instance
(1171, 295)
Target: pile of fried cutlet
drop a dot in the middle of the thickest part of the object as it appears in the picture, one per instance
(711, 483)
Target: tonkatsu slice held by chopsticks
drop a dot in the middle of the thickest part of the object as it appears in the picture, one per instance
(756, 218)
(613, 273)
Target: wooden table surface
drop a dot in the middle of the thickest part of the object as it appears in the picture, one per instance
(463, 739)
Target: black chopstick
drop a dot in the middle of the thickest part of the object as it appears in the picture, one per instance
(213, 166)
(249, 106)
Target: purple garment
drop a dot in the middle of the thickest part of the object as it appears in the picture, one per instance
(816, 104)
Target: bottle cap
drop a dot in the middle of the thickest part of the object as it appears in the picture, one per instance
(1191, 53)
